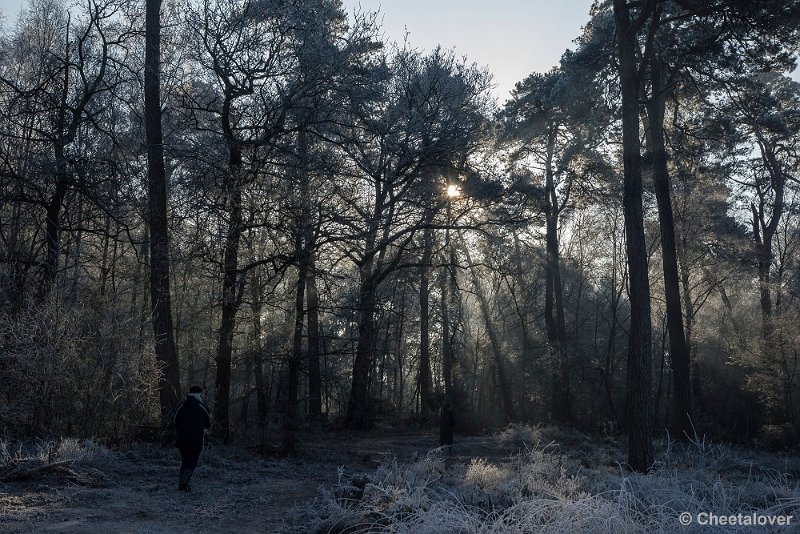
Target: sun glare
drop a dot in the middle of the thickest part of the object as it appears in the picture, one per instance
(453, 191)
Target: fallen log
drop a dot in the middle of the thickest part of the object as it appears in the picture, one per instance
(33, 472)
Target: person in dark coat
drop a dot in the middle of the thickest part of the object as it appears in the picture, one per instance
(191, 419)
(446, 424)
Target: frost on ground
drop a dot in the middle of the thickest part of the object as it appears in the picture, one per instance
(92, 489)
(525, 479)
(557, 482)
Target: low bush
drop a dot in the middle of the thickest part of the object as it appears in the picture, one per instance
(72, 370)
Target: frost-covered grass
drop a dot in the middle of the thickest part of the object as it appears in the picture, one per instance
(82, 452)
(66, 461)
(557, 481)
(78, 452)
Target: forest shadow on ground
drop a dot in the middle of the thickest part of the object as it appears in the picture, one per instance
(524, 479)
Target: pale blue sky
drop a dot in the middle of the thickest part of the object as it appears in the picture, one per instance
(512, 37)
(10, 8)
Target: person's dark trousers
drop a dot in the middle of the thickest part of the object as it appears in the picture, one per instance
(189, 458)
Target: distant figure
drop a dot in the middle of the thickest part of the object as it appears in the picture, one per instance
(446, 424)
(191, 419)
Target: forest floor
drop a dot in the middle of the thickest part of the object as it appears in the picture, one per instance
(233, 490)
(527, 479)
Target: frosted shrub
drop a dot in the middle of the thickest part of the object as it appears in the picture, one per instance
(75, 371)
(540, 490)
(79, 452)
(87, 453)
(520, 436)
(483, 474)
(11, 452)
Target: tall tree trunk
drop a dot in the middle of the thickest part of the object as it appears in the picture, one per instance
(519, 287)
(302, 234)
(230, 275)
(53, 230)
(639, 366)
(425, 379)
(447, 335)
(160, 296)
(613, 324)
(290, 421)
(554, 295)
(358, 409)
(314, 369)
(258, 350)
(301, 230)
(689, 313)
(308, 257)
(449, 300)
(397, 383)
(765, 226)
(681, 424)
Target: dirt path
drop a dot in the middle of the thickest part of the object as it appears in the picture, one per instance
(233, 490)
(135, 493)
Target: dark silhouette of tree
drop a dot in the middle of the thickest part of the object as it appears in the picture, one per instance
(245, 46)
(679, 349)
(639, 396)
(160, 296)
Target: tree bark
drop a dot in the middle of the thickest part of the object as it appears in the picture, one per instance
(764, 230)
(765, 226)
(314, 370)
(358, 412)
(312, 297)
(53, 230)
(160, 295)
(358, 407)
(303, 236)
(53, 223)
(639, 363)
(290, 421)
(681, 424)
(447, 336)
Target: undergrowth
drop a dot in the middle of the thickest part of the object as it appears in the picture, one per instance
(547, 487)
